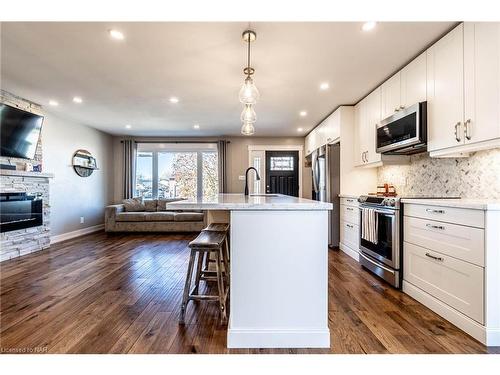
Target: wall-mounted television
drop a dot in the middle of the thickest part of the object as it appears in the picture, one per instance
(19, 132)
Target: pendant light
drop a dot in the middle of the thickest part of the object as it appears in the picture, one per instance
(248, 94)
(248, 114)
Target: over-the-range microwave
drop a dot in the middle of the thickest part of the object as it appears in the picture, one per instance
(405, 132)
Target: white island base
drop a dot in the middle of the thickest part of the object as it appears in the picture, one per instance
(279, 269)
(279, 280)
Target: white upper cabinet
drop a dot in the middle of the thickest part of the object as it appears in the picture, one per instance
(463, 84)
(326, 132)
(405, 88)
(311, 141)
(332, 127)
(482, 81)
(390, 92)
(359, 136)
(445, 91)
(373, 117)
(414, 82)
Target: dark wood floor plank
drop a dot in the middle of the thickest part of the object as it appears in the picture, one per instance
(121, 293)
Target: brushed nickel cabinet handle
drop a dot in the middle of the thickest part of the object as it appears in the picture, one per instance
(350, 226)
(467, 130)
(434, 257)
(349, 208)
(434, 226)
(349, 200)
(434, 211)
(457, 137)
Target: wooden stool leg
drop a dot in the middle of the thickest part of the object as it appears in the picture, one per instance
(201, 255)
(220, 285)
(187, 286)
(225, 259)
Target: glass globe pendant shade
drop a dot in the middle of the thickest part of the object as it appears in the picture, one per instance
(247, 128)
(249, 93)
(248, 114)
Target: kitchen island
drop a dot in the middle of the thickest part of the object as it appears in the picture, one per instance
(279, 268)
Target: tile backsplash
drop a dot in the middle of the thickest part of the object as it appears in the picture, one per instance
(477, 176)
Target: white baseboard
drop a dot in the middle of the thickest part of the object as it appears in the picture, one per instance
(75, 233)
(278, 338)
(352, 253)
(489, 337)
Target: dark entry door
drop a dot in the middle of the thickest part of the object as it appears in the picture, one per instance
(282, 172)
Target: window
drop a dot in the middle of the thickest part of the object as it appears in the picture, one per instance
(177, 170)
(282, 163)
(144, 174)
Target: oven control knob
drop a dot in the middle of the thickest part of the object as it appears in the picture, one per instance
(390, 202)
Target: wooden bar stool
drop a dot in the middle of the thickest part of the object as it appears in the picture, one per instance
(207, 243)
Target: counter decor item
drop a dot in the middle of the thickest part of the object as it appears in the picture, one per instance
(84, 163)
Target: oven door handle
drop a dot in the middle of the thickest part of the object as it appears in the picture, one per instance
(376, 264)
(378, 211)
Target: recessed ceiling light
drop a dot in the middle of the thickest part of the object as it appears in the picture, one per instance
(196, 126)
(303, 113)
(300, 130)
(324, 86)
(174, 100)
(368, 26)
(77, 99)
(115, 34)
(53, 103)
(128, 126)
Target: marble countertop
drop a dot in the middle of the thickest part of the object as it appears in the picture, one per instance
(241, 202)
(475, 204)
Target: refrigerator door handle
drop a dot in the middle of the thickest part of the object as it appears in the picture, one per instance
(315, 172)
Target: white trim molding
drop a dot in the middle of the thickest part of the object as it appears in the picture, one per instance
(75, 233)
(278, 338)
(299, 148)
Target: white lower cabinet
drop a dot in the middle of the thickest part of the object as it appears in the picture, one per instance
(455, 282)
(458, 241)
(451, 264)
(349, 227)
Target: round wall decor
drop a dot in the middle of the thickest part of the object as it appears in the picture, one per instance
(84, 163)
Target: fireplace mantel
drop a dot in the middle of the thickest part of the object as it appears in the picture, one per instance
(8, 172)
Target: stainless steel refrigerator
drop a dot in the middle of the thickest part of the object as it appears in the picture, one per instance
(325, 163)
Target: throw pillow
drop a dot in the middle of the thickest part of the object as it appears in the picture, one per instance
(150, 205)
(134, 204)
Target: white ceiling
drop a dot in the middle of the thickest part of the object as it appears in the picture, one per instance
(130, 81)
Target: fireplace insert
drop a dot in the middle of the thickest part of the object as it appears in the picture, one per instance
(19, 211)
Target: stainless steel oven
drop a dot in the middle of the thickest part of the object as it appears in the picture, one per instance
(382, 255)
(405, 132)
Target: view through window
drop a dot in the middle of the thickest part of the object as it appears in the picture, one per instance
(177, 170)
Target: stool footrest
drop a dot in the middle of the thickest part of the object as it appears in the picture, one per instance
(205, 297)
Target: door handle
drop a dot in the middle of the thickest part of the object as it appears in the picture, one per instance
(467, 130)
(457, 137)
(434, 257)
(434, 211)
(434, 226)
(366, 156)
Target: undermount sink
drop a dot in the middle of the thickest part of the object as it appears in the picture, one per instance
(264, 195)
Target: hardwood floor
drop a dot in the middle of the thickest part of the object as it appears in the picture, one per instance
(122, 293)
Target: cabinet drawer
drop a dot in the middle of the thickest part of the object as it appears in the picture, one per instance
(350, 214)
(349, 202)
(462, 242)
(454, 282)
(462, 216)
(349, 235)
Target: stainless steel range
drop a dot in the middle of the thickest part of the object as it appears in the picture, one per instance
(380, 237)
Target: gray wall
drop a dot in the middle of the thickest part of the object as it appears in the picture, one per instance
(72, 196)
(237, 160)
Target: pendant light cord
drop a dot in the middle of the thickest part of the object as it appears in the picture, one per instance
(248, 64)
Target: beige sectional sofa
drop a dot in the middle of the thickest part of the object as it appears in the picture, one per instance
(153, 217)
